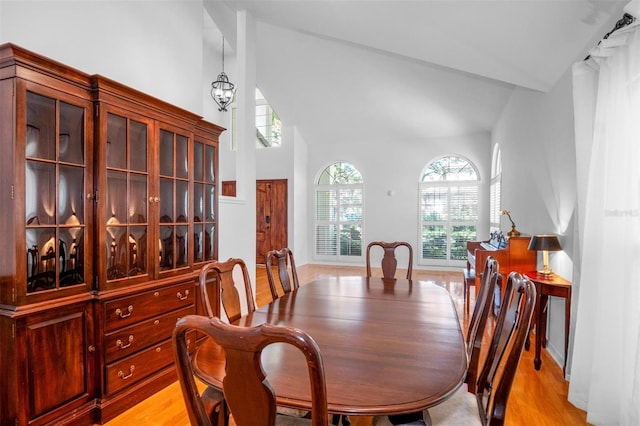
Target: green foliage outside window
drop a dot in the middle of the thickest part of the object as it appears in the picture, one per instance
(448, 209)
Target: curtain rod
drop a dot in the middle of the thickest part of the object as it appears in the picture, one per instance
(626, 19)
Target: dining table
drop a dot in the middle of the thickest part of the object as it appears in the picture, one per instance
(389, 346)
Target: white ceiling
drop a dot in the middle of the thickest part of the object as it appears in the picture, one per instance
(356, 71)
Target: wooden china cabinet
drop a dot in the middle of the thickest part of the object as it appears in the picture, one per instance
(109, 208)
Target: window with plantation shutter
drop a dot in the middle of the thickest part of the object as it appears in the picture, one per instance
(494, 203)
(448, 211)
(339, 207)
(495, 190)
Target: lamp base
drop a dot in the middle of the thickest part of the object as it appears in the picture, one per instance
(514, 232)
(546, 273)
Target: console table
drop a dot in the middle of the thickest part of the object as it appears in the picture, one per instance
(546, 286)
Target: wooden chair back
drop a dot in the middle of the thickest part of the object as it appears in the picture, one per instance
(249, 397)
(284, 259)
(224, 290)
(505, 349)
(389, 261)
(490, 279)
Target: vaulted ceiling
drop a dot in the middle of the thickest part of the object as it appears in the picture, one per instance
(357, 71)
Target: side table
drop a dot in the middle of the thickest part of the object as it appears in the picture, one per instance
(553, 285)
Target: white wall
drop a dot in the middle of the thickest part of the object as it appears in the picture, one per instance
(300, 191)
(536, 136)
(397, 167)
(155, 47)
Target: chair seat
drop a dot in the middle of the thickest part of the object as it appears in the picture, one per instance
(291, 412)
(460, 409)
(286, 420)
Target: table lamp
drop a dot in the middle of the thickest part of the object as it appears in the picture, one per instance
(546, 243)
(514, 232)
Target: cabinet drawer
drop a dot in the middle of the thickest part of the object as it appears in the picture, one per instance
(132, 309)
(136, 367)
(131, 339)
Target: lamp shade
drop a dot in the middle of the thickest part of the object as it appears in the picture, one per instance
(545, 242)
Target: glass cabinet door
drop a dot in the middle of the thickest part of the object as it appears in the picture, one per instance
(127, 179)
(204, 202)
(55, 173)
(173, 252)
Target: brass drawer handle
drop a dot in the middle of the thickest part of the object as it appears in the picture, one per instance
(181, 297)
(124, 315)
(126, 376)
(123, 346)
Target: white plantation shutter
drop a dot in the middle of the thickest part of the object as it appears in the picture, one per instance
(326, 227)
(495, 194)
(495, 190)
(339, 213)
(448, 211)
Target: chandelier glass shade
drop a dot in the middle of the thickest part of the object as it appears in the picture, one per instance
(222, 90)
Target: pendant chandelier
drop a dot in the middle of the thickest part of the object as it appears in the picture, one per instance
(222, 90)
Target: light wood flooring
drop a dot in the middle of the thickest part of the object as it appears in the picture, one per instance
(537, 397)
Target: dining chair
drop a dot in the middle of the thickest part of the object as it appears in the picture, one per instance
(224, 289)
(477, 324)
(250, 398)
(389, 262)
(488, 404)
(288, 280)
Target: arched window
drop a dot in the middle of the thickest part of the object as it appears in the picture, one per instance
(339, 213)
(495, 190)
(448, 210)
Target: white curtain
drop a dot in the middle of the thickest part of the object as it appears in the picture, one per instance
(605, 368)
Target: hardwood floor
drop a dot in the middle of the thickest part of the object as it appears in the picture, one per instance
(537, 397)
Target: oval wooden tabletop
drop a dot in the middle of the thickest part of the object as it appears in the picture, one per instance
(388, 346)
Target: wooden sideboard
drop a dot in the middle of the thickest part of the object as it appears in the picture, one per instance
(109, 209)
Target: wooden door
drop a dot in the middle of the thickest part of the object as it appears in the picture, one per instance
(271, 216)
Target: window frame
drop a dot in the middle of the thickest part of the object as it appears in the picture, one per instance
(449, 223)
(338, 222)
(495, 190)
